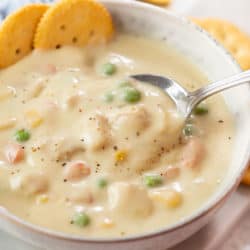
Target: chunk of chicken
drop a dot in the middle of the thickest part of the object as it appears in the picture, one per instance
(96, 132)
(76, 171)
(81, 195)
(68, 147)
(129, 200)
(60, 148)
(30, 184)
(14, 153)
(193, 153)
(73, 100)
(130, 120)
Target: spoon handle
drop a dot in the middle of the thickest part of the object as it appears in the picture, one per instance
(213, 88)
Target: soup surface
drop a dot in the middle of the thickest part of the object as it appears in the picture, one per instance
(86, 150)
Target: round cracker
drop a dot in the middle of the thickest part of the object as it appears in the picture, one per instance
(246, 178)
(232, 38)
(159, 2)
(237, 42)
(17, 33)
(74, 22)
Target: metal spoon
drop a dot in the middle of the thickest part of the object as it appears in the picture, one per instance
(186, 101)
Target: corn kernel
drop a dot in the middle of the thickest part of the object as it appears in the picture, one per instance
(107, 223)
(42, 199)
(170, 199)
(10, 123)
(120, 156)
(34, 119)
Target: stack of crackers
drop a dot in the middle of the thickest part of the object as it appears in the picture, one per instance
(42, 26)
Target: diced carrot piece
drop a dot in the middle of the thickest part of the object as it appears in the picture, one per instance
(75, 171)
(49, 69)
(171, 172)
(14, 153)
(193, 153)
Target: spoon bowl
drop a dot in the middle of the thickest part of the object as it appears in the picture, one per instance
(186, 101)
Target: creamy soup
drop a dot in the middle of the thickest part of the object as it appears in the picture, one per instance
(86, 150)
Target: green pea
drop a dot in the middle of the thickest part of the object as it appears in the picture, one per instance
(153, 180)
(189, 129)
(201, 109)
(130, 94)
(22, 135)
(109, 69)
(108, 97)
(102, 183)
(81, 219)
(124, 84)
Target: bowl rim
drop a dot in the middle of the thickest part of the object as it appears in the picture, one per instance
(189, 219)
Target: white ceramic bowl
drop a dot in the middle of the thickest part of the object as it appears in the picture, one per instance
(216, 63)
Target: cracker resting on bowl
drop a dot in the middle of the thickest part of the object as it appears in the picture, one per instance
(17, 33)
(234, 40)
(159, 2)
(74, 22)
